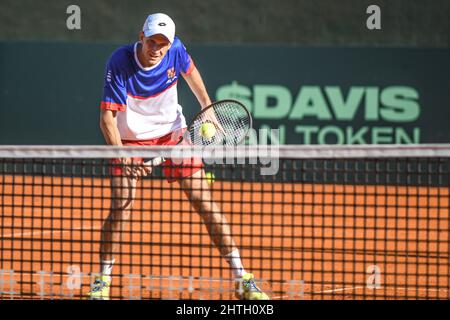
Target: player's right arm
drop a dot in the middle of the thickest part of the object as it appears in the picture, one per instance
(108, 125)
(114, 97)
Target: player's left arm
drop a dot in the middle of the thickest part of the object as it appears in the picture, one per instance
(195, 82)
(197, 86)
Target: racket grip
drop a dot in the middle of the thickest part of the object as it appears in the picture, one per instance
(154, 162)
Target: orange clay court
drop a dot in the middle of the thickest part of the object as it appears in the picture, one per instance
(303, 241)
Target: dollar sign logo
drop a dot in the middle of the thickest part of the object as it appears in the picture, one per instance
(237, 92)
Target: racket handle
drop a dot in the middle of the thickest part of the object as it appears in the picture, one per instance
(154, 162)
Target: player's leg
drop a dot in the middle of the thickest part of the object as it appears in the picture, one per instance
(123, 194)
(198, 192)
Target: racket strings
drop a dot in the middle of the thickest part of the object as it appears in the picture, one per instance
(232, 123)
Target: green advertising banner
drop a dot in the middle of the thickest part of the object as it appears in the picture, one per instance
(337, 95)
(50, 92)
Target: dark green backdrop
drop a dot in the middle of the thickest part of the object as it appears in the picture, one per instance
(305, 22)
(50, 92)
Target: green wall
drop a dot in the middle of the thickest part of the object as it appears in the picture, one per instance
(50, 92)
(306, 22)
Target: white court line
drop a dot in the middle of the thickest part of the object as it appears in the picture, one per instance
(150, 278)
(287, 296)
(417, 289)
(380, 289)
(24, 234)
(338, 290)
(355, 288)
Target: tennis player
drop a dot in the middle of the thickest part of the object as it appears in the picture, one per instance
(140, 108)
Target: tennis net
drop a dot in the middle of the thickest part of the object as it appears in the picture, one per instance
(310, 222)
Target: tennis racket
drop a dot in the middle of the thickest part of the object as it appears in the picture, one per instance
(232, 122)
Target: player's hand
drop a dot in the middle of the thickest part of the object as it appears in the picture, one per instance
(127, 166)
(147, 169)
(135, 168)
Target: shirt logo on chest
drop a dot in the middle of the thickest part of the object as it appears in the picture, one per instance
(171, 75)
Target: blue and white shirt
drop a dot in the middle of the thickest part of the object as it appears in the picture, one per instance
(146, 97)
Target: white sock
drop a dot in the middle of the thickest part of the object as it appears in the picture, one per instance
(234, 259)
(107, 266)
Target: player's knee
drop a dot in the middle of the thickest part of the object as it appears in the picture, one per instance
(202, 205)
(119, 215)
(123, 206)
(200, 195)
(122, 203)
(205, 209)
